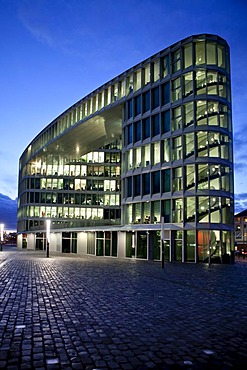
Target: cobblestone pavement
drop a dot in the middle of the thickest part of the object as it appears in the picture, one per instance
(67, 312)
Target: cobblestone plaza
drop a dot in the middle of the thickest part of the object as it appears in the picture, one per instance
(67, 312)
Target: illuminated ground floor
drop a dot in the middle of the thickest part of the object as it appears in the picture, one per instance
(210, 246)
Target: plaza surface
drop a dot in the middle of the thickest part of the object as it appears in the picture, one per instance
(70, 312)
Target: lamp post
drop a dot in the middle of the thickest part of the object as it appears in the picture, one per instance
(162, 243)
(1, 226)
(48, 231)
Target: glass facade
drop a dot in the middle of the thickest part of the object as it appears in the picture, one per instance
(152, 148)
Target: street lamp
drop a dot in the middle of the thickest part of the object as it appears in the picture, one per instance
(48, 231)
(1, 226)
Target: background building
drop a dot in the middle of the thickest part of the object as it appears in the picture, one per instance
(145, 157)
(241, 232)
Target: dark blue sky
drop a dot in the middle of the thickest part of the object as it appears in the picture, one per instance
(54, 52)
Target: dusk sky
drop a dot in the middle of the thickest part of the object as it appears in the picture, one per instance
(54, 52)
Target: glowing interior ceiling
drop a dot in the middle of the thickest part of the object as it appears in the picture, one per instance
(89, 135)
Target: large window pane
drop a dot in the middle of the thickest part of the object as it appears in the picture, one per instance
(137, 157)
(137, 105)
(188, 55)
(190, 212)
(189, 145)
(165, 68)
(176, 63)
(146, 101)
(167, 210)
(146, 155)
(155, 98)
(129, 187)
(188, 84)
(146, 213)
(190, 177)
(200, 52)
(156, 70)
(129, 109)
(176, 89)
(177, 213)
(146, 183)
(137, 76)
(226, 210)
(177, 179)
(129, 134)
(177, 151)
(166, 122)
(221, 56)
(211, 53)
(215, 204)
(156, 182)
(190, 245)
(166, 150)
(166, 180)
(166, 93)
(156, 211)
(137, 185)
(137, 131)
(177, 119)
(129, 156)
(156, 153)
(145, 128)
(147, 74)
(141, 245)
(155, 125)
(137, 213)
(188, 114)
(203, 209)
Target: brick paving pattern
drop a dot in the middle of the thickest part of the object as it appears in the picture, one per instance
(67, 312)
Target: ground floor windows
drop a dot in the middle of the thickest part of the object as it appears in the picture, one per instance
(137, 244)
(181, 245)
(208, 246)
(102, 243)
(40, 242)
(69, 242)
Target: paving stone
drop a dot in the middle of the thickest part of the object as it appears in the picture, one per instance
(105, 313)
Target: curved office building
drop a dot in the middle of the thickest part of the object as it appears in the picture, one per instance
(142, 167)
